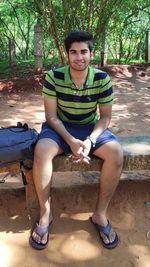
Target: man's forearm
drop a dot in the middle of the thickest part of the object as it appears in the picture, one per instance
(100, 127)
(58, 126)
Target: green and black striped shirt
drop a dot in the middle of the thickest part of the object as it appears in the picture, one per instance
(74, 105)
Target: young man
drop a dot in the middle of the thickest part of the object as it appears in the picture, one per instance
(71, 95)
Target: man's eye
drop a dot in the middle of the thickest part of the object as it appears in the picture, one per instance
(83, 52)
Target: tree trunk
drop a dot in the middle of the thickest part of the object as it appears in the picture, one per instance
(138, 51)
(38, 48)
(12, 54)
(147, 54)
(104, 53)
(60, 50)
(120, 49)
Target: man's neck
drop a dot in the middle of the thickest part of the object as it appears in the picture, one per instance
(78, 77)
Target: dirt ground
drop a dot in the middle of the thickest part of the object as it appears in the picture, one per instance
(74, 241)
(20, 100)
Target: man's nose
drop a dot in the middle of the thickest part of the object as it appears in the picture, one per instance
(79, 56)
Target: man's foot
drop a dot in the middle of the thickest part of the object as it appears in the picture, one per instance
(107, 234)
(40, 236)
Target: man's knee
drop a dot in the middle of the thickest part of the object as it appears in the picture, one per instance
(45, 149)
(111, 152)
(116, 154)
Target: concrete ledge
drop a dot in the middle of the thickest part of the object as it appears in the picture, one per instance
(136, 157)
(135, 145)
(63, 164)
(81, 179)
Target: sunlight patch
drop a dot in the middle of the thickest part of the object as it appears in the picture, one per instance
(79, 216)
(6, 255)
(77, 248)
(141, 255)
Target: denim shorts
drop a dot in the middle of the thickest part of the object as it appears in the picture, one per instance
(78, 131)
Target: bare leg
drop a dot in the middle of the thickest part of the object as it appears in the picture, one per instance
(112, 155)
(45, 151)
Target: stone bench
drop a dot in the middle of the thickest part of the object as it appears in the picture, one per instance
(136, 157)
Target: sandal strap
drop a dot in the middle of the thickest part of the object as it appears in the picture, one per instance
(105, 229)
(41, 231)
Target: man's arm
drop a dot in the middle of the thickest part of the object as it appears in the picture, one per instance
(103, 122)
(53, 120)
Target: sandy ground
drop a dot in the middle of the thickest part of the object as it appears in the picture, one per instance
(73, 240)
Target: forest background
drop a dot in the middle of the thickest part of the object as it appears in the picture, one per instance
(119, 28)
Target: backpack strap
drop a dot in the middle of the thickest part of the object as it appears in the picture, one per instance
(24, 180)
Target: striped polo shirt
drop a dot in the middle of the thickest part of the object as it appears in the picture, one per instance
(78, 106)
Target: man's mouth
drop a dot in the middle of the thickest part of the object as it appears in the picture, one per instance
(79, 63)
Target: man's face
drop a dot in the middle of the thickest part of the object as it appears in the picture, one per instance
(79, 56)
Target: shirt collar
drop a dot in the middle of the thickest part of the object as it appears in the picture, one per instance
(89, 80)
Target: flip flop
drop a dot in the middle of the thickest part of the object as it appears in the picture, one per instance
(40, 231)
(106, 231)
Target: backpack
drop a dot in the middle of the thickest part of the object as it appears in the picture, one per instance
(17, 144)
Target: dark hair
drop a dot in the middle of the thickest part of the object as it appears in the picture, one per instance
(78, 36)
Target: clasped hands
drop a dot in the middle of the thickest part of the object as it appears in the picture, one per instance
(80, 151)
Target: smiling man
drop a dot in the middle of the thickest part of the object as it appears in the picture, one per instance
(73, 126)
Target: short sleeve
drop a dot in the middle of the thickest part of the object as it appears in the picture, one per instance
(106, 95)
(49, 85)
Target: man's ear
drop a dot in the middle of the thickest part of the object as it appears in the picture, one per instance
(67, 56)
(92, 55)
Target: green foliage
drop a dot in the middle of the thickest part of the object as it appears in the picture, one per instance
(17, 22)
(119, 23)
(128, 31)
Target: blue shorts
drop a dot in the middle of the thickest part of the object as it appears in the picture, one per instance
(79, 132)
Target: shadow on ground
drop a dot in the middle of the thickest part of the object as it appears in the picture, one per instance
(73, 240)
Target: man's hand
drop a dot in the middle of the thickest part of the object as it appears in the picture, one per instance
(83, 152)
